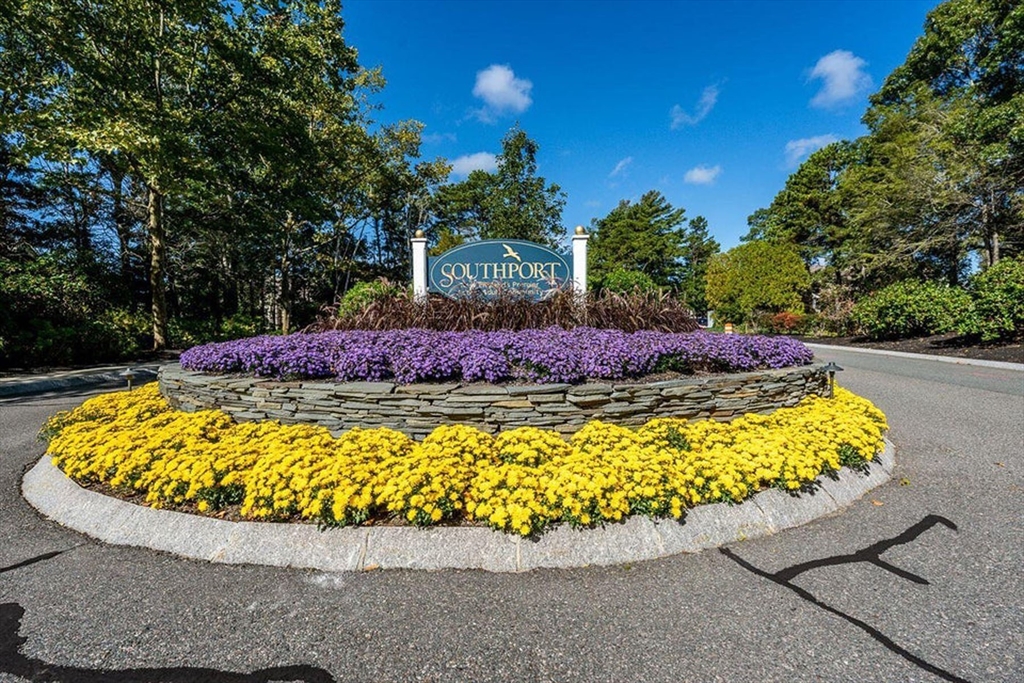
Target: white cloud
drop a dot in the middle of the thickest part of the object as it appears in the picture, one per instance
(702, 175)
(501, 91)
(708, 98)
(796, 150)
(843, 78)
(621, 167)
(467, 163)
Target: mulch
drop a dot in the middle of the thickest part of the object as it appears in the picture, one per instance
(935, 345)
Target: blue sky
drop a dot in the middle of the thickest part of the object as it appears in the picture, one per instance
(714, 104)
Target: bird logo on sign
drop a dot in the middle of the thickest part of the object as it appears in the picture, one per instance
(511, 253)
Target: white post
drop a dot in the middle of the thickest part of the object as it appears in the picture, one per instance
(579, 260)
(419, 266)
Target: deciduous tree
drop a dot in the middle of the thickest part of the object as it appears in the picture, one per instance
(971, 59)
(755, 277)
(215, 107)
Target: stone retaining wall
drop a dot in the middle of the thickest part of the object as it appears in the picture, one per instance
(417, 409)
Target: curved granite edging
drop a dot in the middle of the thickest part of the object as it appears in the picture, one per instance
(417, 409)
(350, 549)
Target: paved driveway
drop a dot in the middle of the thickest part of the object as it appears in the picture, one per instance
(921, 581)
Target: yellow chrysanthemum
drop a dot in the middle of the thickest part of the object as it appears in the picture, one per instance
(521, 481)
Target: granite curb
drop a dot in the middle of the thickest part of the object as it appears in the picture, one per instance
(113, 521)
(21, 386)
(1002, 365)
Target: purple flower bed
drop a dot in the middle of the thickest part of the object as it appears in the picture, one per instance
(549, 355)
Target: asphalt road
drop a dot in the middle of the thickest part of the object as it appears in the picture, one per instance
(921, 581)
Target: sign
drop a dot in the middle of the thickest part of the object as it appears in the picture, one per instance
(491, 266)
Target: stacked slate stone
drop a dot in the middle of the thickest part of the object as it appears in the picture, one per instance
(416, 409)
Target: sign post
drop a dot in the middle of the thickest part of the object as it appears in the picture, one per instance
(419, 266)
(579, 261)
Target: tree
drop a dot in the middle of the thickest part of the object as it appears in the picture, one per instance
(20, 198)
(215, 162)
(200, 101)
(808, 212)
(398, 197)
(911, 205)
(756, 277)
(938, 179)
(698, 248)
(970, 60)
(647, 236)
(460, 210)
(513, 202)
(119, 91)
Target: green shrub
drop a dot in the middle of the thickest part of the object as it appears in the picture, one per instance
(362, 294)
(998, 294)
(241, 325)
(111, 336)
(911, 309)
(184, 333)
(120, 333)
(188, 332)
(40, 342)
(51, 313)
(623, 281)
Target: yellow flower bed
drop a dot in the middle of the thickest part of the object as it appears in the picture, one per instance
(520, 481)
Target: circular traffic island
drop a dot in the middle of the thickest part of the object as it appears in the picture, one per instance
(503, 489)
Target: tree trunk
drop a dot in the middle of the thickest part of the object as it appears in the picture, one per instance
(285, 293)
(285, 300)
(990, 234)
(286, 320)
(123, 228)
(953, 264)
(157, 256)
(157, 232)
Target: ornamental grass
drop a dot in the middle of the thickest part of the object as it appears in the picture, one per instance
(395, 308)
(521, 481)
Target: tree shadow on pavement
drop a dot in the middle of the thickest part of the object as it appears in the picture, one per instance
(872, 555)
